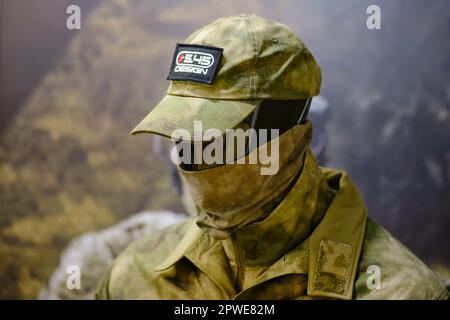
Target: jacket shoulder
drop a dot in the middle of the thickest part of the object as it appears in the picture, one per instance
(402, 275)
(132, 271)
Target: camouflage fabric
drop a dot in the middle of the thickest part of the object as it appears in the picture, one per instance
(403, 275)
(262, 59)
(313, 244)
(223, 208)
(93, 252)
(325, 249)
(175, 112)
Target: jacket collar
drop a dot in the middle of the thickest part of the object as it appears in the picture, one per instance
(335, 245)
(329, 256)
(290, 222)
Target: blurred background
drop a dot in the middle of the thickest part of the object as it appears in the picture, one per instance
(68, 99)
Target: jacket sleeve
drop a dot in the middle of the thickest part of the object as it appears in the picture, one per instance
(102, 291)
(402, 275)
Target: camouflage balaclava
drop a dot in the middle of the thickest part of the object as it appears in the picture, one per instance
(231, 196)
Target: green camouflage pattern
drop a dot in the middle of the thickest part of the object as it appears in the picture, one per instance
(233, 195)
(403, 275)
(94, 251)
(328, 244)
(175, 112)
(261, 59)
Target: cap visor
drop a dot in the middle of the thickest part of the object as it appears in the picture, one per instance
(180, 112)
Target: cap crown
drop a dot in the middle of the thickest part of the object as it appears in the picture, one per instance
(261, 59)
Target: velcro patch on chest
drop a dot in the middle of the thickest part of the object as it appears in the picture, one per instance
(195, 63)
(333, 267)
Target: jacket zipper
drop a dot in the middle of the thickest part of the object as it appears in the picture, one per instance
(240, 268)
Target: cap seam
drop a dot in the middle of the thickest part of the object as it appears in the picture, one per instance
(254, 44)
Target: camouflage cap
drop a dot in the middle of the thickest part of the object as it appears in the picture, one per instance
(259, 59)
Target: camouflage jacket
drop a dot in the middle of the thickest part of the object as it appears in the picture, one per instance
(94, 251)
(340, 256)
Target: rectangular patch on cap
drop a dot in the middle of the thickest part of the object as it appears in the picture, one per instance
(196, 63)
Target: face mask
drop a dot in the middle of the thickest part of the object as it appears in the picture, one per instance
(233, 195)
